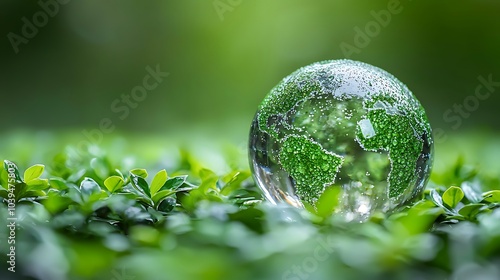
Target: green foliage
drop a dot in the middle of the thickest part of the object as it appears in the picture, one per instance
(114, 183)
(87, 218)
(453, 196)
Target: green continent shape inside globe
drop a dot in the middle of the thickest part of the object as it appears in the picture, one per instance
(395, 134)
(312, 167)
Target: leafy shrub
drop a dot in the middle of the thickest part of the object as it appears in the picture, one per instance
(86, 218)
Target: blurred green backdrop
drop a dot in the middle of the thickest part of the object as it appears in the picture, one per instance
(223, 57)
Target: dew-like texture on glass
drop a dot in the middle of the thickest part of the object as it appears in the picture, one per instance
(345, 124)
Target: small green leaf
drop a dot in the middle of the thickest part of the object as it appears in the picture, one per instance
(492, 196)
(37, 184)
(161, 195)
(174, 183)
(11, 168)
(472, 192)
(114, 183)
(56, 203)
(4, 178)
(158, 181)
(13, 182)
(455, 217)
(471, 210)
(89, 187)
(140, 184)
(452, 196)
(35, 193)
(33, 172)
(436, 198)
(167, 204)
(117, 171)
(235, 182)
(208, 180)
(418, 219)
(58, 184)
(140, 172)
(74, 193)
(4, 193)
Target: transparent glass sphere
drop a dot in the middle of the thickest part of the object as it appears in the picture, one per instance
(346, 124)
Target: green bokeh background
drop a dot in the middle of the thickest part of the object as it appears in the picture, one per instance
(222, 65)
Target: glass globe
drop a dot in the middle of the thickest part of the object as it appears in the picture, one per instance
(341, 124)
